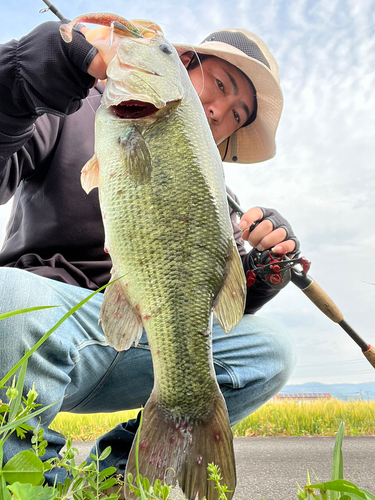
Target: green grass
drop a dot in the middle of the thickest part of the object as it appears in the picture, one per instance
(89, 426)
(319, 418)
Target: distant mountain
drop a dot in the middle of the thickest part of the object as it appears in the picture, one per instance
(365, 391)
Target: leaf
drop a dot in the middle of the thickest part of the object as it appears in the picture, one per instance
(4, 492)
(337, 463)
(78, 483)
(109, 471)
(24, 467)
(105, 453)
(165, 492)
(16, 402)
(20, 421)
(29, 492)
(78, 495)
(146, 484)
(90, 495)
(342, 486)
(108, 483)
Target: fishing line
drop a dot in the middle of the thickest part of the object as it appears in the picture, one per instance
(91, 97)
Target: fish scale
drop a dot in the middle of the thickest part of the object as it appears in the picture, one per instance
(168, 232)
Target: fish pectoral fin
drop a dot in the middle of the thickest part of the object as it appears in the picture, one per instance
(136, 156)
(179, 451)
(90, 174)
(120, 323)
(230, 303)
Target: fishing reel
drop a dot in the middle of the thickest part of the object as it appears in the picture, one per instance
(275, 269)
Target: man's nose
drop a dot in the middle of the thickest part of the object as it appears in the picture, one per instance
(216, 112)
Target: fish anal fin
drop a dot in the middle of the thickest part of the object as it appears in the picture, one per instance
(121, 324)
(136, 156)
(230, 303)
(179, 451)
(90, 174)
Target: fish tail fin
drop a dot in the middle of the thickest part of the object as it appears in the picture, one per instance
(179, 451)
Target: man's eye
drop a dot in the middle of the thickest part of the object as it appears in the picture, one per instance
(236, 116)
(220, 85)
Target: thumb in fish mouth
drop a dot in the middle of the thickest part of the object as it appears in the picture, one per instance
(97, 68)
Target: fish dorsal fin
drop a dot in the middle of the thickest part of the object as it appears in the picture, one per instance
(90, 174)
(230, 303)
(121, 324)
(136, 156)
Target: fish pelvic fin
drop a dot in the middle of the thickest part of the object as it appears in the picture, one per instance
(230, 303)
(136, 156)
(90, 174)
(120, 323)
(179, 451)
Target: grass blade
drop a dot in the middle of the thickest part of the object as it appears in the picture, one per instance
(338, 462)
(19, 421)
(14, 406)
(49, 333)
(22, 311)
(341, 486)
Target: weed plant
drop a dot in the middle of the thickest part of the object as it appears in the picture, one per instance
(22, 477)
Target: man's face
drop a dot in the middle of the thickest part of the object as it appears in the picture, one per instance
(226, 95)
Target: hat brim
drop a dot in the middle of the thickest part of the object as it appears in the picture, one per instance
(255, 142)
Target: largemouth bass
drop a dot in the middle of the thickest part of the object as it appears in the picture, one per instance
(168, 232)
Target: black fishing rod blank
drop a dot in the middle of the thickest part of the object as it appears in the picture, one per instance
(53, 9)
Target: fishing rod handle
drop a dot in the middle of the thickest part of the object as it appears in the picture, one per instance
(317, 295)
(370, 355)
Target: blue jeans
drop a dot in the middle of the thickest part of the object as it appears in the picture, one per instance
(76, 366)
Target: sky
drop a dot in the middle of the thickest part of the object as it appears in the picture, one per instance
(322, 178)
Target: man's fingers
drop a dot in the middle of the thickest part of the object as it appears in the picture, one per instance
(269, 240)
(249, 217)
(287, 246)
(262, 230)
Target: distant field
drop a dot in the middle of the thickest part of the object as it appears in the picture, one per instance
(319, 418)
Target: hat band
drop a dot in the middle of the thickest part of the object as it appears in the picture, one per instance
(240, 42)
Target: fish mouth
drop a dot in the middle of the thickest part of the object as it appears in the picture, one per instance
(134, 109)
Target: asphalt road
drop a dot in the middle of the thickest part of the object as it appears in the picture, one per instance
(268, 468)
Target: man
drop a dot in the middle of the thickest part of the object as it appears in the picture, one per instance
(53, 253)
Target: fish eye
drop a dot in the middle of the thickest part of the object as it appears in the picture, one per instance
(166, 48)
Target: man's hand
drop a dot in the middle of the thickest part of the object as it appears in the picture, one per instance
(273, 231)
(98, 67)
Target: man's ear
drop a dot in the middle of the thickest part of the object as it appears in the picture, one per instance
(186, 58)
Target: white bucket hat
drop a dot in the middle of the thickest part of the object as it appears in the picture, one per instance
(254, 142)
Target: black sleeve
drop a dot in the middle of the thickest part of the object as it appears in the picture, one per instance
(40, 73)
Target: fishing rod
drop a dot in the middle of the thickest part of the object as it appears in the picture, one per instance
(279, 270)
(53, 9)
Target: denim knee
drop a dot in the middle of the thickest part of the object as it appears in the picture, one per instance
(252, 363)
